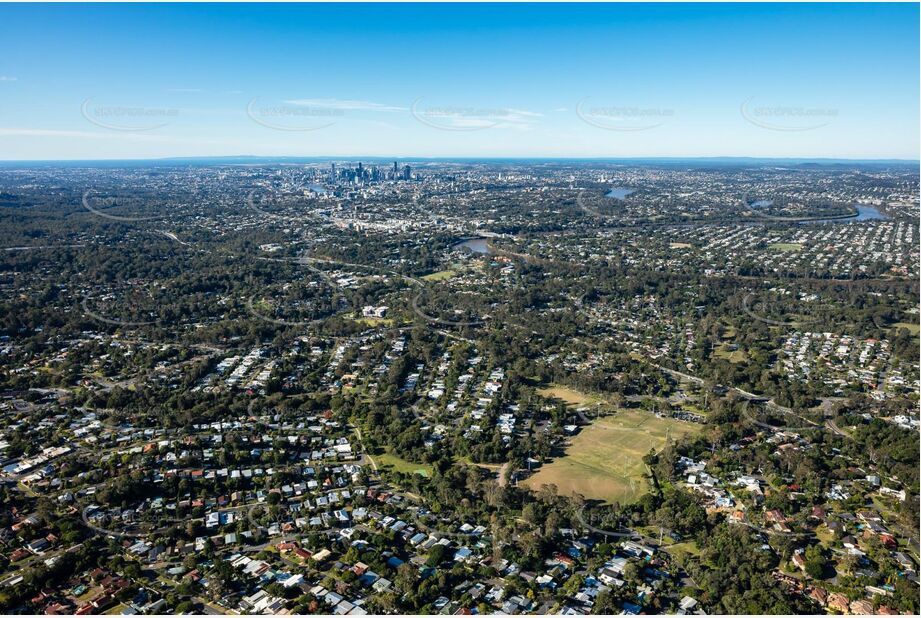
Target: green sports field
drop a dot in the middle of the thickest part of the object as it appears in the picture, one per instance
(605, 460)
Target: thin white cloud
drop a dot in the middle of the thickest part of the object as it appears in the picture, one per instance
(523, 112)
(99, 135)
(346, 104)
(7, 78)
(475, 119)
(18, 132)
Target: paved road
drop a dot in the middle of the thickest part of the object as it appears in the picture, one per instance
(827, 404)
(747, 395)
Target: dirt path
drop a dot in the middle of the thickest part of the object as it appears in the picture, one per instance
(504, 473)
(364, 450)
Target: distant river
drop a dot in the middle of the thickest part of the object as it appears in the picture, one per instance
(864, 213)
(619, 193)
(477, 245)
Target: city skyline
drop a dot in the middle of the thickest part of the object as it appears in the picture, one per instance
(435, 81)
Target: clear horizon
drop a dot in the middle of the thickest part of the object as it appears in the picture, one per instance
(622, 81)
(463, 158)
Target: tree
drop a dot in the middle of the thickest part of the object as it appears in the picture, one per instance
(436, 555)
(407, 576)
(815, 561)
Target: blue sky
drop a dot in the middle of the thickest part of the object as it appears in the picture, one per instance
(546, 80)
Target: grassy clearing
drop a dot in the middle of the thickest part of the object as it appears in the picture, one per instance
(375, 321)
(464, 459)
(440, 275)
(733, 356)
(398, 464)
(684, 549)
(825, 536)
(694, 408)
(785, 246)
(910, 326)
(569, 396)
(605, 460)
(729, 331)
